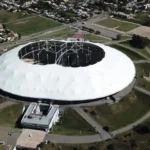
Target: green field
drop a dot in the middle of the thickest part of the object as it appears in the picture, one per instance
(9, 115)
(129, 109)
(139, 18)
(91, 37)
(2, 100)
(143, 70)
(32, 25)
(72, 123)
(2, 147)
(132, 55)
(87, 146)
(6, 16)
(64, 33)
(141, 50)
(118, 25)
(129, 140)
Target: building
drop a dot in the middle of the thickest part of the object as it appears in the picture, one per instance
(40, 116)
(63, 72)
(29, 140)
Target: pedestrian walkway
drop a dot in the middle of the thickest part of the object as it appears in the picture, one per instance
(142, 90)
(104, 135)
(73, 139)
(147, 49)
(141, 61)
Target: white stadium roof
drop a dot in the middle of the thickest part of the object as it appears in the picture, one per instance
(106, 77)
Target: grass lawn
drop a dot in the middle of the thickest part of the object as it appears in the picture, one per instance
(87, 146)
(6, 16)
(72, 123)
(91, 37)
(143, 70)
(142, 140)
(64, 33)
(139, 18)
(9, 115)
(141, 50)
(129, 53)
(125, 37)
(2, 147)
(32, 25)
(122, 26)
(123, 141)
(129, 109)
(2, 100)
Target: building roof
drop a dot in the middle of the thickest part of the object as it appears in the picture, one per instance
(30, 138)
(53, 81)
(38, 118)
(79, 36)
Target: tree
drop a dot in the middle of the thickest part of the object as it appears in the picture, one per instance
(4, 26)
(142, 129)
(106, 128)
(118, 37)
(110, 147)
(138, 41)
(19, 36)
(93, 113)
(92, 148)
(97, 32)
(75, 148)
(133, 143)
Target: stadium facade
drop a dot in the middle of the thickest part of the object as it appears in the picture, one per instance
(64, 71)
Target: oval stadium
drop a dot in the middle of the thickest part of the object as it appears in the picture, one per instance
(64, 72)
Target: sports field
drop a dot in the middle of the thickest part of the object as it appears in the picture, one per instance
(118, 25)
(32, 25)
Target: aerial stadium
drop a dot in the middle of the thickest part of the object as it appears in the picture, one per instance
(62, 71)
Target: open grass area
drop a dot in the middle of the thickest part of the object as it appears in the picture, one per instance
(87, 146)
(72, 123)
(32, 25)
(92, 37)
(2, 147)
(139, 18)
(132, 55)
(143, 70)
(141, 50)
(129, 109)
(118, 25)
(6, 16)
(9, 115)
(2, 100)
(129, 140)
(64, 33)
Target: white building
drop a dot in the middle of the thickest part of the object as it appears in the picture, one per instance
(64, 71)
(40, 116)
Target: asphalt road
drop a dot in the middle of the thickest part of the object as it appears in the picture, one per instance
(104, 31)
